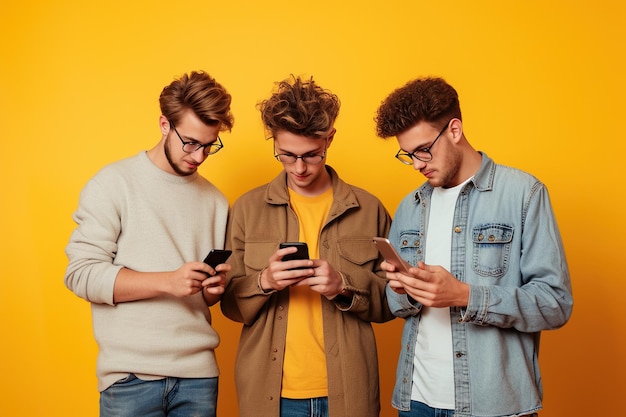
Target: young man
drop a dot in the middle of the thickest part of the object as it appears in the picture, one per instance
(489, 267)
(144, 225)
(307, 347)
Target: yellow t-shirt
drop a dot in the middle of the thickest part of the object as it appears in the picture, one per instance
(304, 368)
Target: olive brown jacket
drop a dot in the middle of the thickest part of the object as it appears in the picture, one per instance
(260, 220)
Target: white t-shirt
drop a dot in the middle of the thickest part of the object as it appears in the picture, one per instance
(433, 372)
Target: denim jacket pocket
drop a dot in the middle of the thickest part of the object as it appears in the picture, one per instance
(411, 246)
(491, 249)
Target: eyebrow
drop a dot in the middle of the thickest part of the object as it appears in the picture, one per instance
(312, 152)
(189, 139)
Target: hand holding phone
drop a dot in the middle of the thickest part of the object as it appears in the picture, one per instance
(216, 257)
(391, 256)
(301, 253)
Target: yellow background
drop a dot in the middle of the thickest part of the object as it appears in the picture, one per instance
(541, 85)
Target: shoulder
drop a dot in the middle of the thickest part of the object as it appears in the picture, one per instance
(120, 168)
(507, 176)
(254, 196)
(363, 195)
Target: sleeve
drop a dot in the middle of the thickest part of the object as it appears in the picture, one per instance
(367, 280)
(401, 305)
(243, 297)
(543, 301)
(92, 246)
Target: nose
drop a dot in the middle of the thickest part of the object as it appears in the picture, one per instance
(300, 165)
(418, 165)
(198, 155)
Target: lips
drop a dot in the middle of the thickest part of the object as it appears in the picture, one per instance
(192, 165)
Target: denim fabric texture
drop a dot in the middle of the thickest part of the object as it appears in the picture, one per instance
(308, 407)
(419, 409)
(506, 245)
(171, 397)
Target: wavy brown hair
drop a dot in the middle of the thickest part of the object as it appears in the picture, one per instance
(300, 107)
(200, 93)
(431, 100)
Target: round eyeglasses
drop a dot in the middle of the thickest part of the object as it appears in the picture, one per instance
(422, 154)
(311, 158)
(286, 158)
(193, 146)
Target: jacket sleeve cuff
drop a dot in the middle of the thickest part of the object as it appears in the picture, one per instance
(270, 291)
(478, 303)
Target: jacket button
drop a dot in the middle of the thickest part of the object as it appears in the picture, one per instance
(457, 229)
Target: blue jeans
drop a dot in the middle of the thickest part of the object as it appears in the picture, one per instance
(419, 409)
(309, 407)
(171, 397)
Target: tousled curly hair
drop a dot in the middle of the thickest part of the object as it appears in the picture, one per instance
(431, 100)
(300, 107)
(200, 93)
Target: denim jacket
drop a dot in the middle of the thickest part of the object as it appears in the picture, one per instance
(507, 247)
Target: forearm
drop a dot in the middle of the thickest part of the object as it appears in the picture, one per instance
(132, 285)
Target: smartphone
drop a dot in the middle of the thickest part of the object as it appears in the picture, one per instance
(302, 253)
(390, 255)
(216, 257)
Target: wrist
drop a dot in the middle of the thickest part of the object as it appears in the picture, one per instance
(260, 281)
(344, 295)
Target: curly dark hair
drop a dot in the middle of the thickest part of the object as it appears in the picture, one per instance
(300, 107)
(424, 99)
(199, 92)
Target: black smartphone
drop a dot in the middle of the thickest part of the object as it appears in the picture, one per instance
(216, 257)
(302, 253)
(390, 255)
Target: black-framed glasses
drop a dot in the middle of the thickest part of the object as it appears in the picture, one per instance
(422, 154)
(191, 147)
(311, 158)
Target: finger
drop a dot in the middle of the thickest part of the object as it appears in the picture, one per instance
(215, 290)
(386, 266)
(223, 268)
(213, 281)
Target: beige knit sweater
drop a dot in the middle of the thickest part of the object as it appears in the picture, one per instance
(132, 214)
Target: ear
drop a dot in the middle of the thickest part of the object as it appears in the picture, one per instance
(456, 128)
(164, 125)
(330, 137)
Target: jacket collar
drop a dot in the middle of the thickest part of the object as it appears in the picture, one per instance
(482, 180)
(343, 197)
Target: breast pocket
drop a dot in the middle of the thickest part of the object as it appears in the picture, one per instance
(257, 254)
(357, 251)
(411, 246)
(491, 249)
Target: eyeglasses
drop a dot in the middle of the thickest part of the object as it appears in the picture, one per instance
(312, 158)
(191, 147)
(423, 154)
